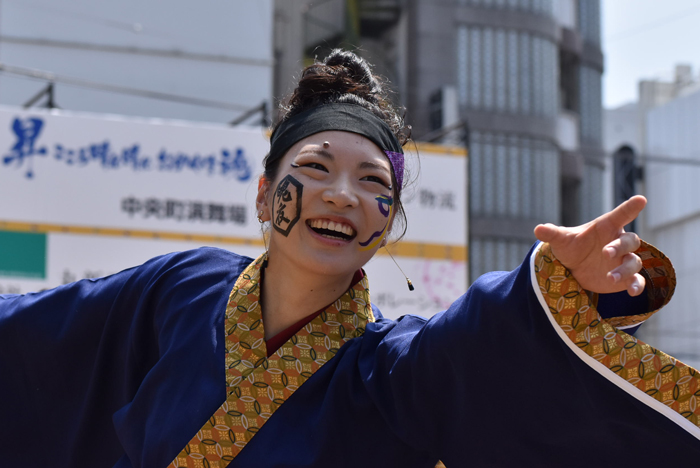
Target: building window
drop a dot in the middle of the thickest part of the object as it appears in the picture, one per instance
(475, 69)
(501, 88)
(525, 89)
(507, 72)
(590, 104)
(463, 65)
(488, 59)
(589, 20)
(513, 72)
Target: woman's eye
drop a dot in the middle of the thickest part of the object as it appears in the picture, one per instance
(378, 180)
(314, 165)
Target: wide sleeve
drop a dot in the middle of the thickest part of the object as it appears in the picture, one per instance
(497, 380)
(83, 365)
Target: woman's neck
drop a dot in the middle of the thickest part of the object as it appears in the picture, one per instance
(290, 293)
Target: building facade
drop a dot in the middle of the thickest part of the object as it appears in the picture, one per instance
(528, 80)
(659, 133)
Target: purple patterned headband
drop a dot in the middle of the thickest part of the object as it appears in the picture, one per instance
(396, 160)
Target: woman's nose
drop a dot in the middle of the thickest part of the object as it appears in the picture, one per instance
(341, 193)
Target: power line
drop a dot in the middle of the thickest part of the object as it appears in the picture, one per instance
(650, 25)
(134, 27)
(51, 77)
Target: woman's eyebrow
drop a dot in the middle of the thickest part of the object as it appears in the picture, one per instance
(317, 152)
(372, 165)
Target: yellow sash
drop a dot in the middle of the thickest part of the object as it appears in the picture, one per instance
(257, 385)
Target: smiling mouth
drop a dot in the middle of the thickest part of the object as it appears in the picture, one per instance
(331, 229)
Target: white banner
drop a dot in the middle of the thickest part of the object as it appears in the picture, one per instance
(87, 195)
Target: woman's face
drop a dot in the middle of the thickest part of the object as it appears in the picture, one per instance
(331, 205)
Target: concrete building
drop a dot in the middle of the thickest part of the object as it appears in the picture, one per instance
(660, 132)
(207, 61)
(525, 77)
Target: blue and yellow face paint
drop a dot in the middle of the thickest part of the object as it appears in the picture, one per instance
(386, 207)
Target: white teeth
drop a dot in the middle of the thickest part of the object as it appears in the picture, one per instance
(331, 226)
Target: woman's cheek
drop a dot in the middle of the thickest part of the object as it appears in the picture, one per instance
(385, 205)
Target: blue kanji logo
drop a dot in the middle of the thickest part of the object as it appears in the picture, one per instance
(27, 131)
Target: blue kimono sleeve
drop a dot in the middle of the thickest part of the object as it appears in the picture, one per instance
(490, 383)
(83, 365)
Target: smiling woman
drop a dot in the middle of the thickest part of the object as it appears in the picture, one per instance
(210, 359)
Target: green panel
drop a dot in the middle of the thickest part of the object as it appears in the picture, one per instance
(22, 254)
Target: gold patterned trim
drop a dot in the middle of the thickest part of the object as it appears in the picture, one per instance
(256, 386)
(654, 378)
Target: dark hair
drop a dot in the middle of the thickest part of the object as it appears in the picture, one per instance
(345, 77)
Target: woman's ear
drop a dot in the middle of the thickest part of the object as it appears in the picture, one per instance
(261, 201)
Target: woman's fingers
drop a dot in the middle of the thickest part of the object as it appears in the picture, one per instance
(627, 274)
(626, 212)
(626, 243)
(547, 232)
(636, 285)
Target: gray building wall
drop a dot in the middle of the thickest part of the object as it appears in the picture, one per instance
(215, 51)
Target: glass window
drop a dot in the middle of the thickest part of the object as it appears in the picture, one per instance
(547, 7)
(514, 257)
(591, 108)
(514, 185)
(538, 74)
(476, 258)
(463, 64)
(527, 182)
(513, 77)
(589, 20)
(488, 68)
(501, 255)
(525, 87)
(501, 175)
(475, 68)
(489, 255)
(538, 180)
(501, 92)
(551, 187)
(476, 174)
(488, 176)
(550, 79)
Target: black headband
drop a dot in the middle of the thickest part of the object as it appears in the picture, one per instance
(345, 117)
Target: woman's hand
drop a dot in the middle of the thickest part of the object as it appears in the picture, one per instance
(599, 253)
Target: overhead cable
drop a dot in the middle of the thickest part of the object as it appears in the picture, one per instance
(52, 77)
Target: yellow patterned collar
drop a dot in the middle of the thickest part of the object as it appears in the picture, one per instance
(256, 386)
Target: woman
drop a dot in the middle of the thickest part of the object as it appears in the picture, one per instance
(206, 358)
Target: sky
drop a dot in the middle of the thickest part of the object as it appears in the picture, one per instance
(645, 39)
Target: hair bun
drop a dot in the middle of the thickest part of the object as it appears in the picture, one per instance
(353, 68)
(344, 77)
